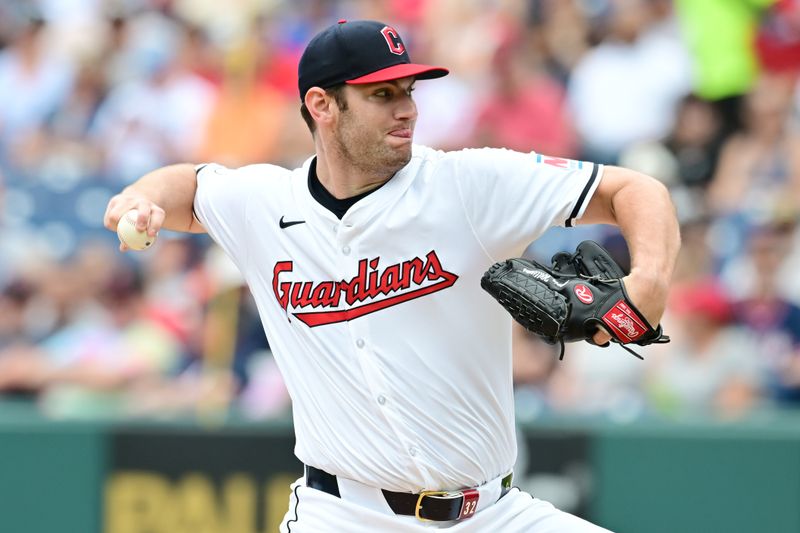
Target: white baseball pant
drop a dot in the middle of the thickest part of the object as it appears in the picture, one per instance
(363, 509)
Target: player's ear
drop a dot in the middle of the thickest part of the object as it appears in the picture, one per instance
(321, 106)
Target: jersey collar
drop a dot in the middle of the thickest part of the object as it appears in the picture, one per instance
(366, 208)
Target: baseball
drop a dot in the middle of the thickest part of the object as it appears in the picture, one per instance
(126, 231)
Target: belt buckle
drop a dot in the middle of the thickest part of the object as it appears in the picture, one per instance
(425, 493)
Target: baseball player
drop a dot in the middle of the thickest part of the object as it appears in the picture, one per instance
(365, 264)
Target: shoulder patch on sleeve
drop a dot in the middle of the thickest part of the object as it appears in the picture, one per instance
(560, 162)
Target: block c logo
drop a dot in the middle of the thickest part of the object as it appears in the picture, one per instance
(396, 45)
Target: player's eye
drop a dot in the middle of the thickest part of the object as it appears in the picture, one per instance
(390, 92)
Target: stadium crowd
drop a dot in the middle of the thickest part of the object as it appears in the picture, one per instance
(93, 93)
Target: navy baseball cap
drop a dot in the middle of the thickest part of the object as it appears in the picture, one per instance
(359, 51)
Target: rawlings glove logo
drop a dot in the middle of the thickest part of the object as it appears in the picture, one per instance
(625, 323)
(584, 293)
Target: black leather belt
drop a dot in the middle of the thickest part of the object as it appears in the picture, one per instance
(437, 506)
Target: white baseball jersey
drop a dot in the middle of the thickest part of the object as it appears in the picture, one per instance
(397, 362)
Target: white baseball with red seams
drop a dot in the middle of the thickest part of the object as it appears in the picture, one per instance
(128, 235)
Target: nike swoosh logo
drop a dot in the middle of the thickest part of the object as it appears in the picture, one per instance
(287, 224)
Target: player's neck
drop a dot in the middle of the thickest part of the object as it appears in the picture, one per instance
(343, 179)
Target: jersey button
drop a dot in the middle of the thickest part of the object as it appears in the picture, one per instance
(382, 399)
(346, 250)
(360, 343)
(412, 451)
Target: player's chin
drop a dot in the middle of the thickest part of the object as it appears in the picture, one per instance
(401, 154)
(400, 147)
(396, 157)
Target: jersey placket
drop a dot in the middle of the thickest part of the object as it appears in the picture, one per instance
(365, 350)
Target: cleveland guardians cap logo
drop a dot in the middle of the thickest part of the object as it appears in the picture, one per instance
(358, 51)
(393, 39)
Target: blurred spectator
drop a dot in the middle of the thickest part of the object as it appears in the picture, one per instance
(62, 296)
(627, 88)
(96, 357)
(262, 391)
(778, 41)
(13, 300)
(563, 31)
(157, 120)
(765, 266)
(768, 314)
(696, 260)
(59, 145)
(38, 81)
(176, 289)
(692, 145)
(724, 59)
(75, 26)
(466, 34)
(694, 142)
(599, 381)
(526, 109)
(534, 363)
(227, 19)
(233, 340)
(118, 57)
(759, 168)
(246, 117)
(710, 368)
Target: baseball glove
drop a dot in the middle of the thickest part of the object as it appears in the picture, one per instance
(569, 301)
